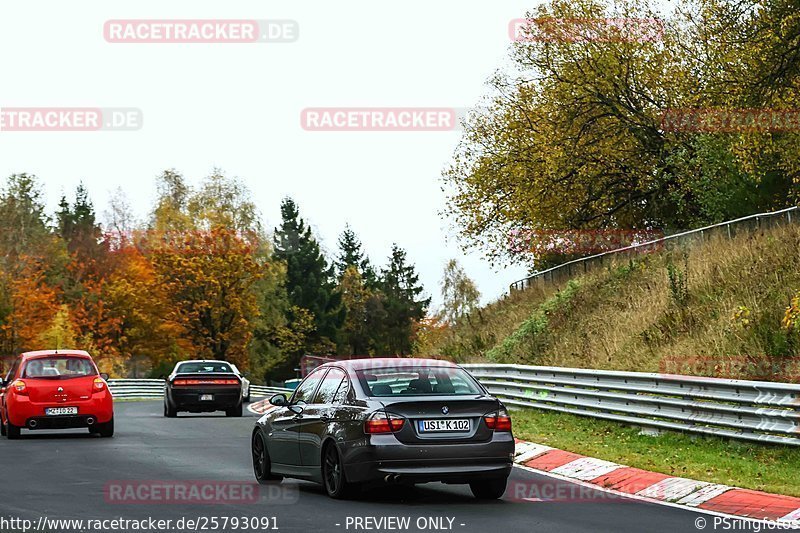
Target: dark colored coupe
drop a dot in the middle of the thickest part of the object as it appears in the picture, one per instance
(203, 387)
(357, 422)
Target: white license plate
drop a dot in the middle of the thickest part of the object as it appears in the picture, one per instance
(444, 425)
(206, 397)
(61, 411)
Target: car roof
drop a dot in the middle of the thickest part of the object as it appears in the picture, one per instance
(203, 361)
(389, 362)
(45, 353)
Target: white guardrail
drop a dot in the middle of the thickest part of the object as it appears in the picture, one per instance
(153, 389)
(750, 410)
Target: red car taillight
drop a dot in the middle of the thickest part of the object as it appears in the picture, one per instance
(185, 382)
(20, 387)
(99, 385)
(499, 421)
(381, 422)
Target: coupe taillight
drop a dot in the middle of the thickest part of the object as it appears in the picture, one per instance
(189, 382)
(381, 422)
(499, 421)
(20, 387)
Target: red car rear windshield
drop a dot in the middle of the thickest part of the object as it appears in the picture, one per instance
(59, 367)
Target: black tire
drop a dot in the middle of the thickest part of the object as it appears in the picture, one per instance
(106, 430)
(489, 489)
(169, 411)
(2, 429)
(262, 466)
(333, 477)
(13, 432)
(235, 411)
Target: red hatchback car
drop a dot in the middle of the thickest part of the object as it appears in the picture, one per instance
(55, 389)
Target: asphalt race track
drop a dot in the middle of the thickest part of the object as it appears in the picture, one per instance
(72, 475)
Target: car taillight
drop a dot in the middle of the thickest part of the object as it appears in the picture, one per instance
(184, 382)
(499, 421)
(381, 422)
(99, 384)
(20, 387)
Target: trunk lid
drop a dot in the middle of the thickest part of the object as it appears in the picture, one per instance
(428, 418)
(43, 390)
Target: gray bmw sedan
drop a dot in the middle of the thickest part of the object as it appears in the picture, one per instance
(358, 422)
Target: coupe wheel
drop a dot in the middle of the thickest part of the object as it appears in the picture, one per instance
(2, 428)
(489, 489)
(236, 411)
(262, 466)
(169, 411)
(333, 477)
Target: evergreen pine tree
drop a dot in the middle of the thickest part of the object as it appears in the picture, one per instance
(351, 253)
(309, 277)
(404, 303)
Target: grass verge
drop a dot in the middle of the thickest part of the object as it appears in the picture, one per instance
(768, 468)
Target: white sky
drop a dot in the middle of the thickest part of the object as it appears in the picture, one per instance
(237, 107)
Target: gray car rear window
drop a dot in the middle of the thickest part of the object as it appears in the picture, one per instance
(415, 381)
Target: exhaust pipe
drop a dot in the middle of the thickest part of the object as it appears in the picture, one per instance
(392, 478)
(90, 421)
(32, 424)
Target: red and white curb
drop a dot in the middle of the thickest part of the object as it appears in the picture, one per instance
(657, 488)
(261, 407)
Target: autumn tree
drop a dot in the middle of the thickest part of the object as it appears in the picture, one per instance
(572, 137)
(460, 295)
(208, 278)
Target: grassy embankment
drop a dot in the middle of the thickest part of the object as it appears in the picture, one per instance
(715, 304)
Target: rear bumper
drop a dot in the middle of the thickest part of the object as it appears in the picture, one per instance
(61, 422)
(189, 398)
(384, 455)
(100, 408)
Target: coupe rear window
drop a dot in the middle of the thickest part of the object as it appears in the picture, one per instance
(203, 368)
(59, 368)
(414, 381)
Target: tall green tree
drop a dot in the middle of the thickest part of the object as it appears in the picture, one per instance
(404, 303)
(351, 254)
(24, 224)
(309, 278)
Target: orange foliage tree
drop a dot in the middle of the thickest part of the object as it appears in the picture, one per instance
(209, 279)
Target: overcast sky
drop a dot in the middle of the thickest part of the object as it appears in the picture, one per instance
(238, 106)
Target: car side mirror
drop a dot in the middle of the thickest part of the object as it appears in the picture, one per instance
(296, 409)
(279, 400)
(104, 376)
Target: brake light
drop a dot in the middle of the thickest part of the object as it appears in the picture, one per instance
(99, 384)
(381, 422)
(185, 382)
(499, 421)
(20, 387)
